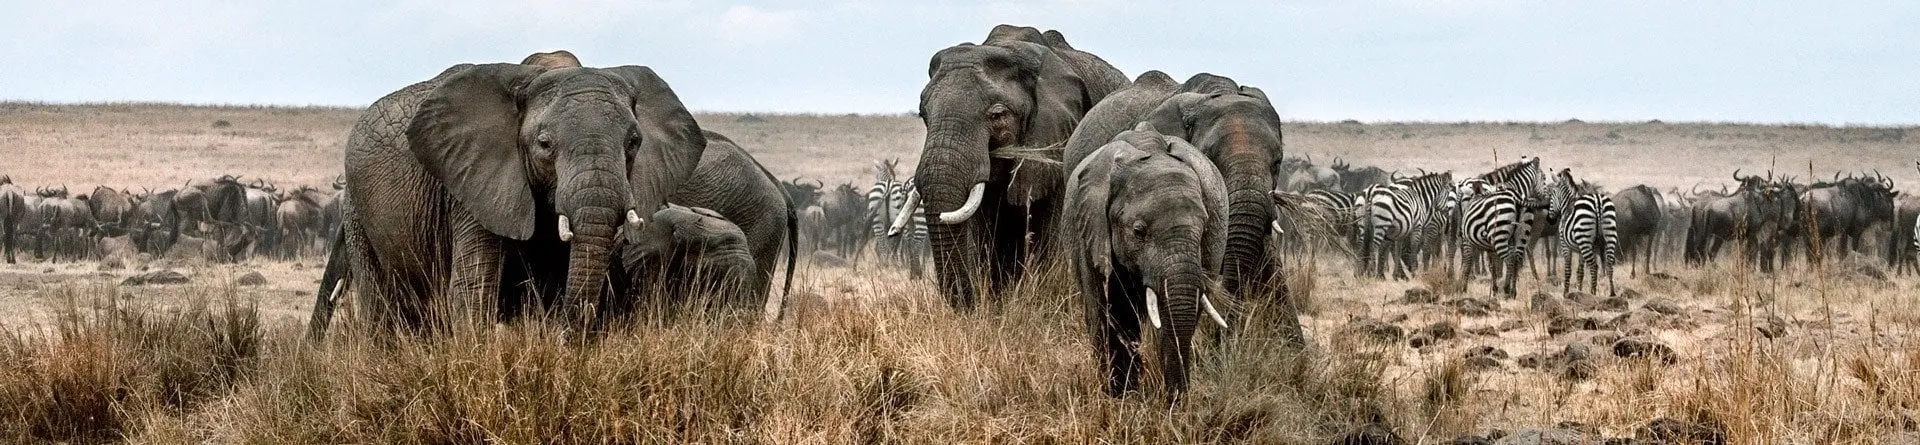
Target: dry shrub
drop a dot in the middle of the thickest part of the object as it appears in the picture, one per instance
(102, 368)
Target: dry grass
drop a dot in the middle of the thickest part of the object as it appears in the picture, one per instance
(872, 357)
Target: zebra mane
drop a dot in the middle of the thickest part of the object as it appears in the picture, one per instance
(1508, 170)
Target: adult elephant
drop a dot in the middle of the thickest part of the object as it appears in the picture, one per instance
(1238, 130)
(1151, 213)
(488, 183)
(730, 182)
(13, 208)
(1018, 88)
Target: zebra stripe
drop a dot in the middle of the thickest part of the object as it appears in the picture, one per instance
(1491, 221)
(1588, 231)
(1404, 212)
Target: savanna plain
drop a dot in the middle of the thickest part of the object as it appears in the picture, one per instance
(1809, 354)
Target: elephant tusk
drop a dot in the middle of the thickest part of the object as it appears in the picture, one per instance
(906, 213)
(566, 229)
(966, 210)
(1211, 312)
(1153, 308)
(633, 217)
(1276, 227)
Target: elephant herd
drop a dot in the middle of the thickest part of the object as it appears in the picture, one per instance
(219, 219)
(492, 191)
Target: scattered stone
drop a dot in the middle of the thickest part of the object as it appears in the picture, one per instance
(1419, 295)
(1485, 331)
(1631, 293)
(1397, 318)
(165, 276)
(1482, 363)
(1771, 326)
(1378, 330)
(1664, 306)
(1512, 325)
(1644, 347)
(1474, 307)
(1669, 430)
(1615, 304)
(1487, 351)
(1561, 324)
(1533, 360)
(1545, 303)
(1576, 351)
(251, 278)
(1442, 330)
(1420, 340)
(1596, 337)
(1371, 433)
(1577, 426)
(1580, 297)
(1470, 440)
(1553, 436)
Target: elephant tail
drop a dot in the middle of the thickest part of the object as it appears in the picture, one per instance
(793, 251)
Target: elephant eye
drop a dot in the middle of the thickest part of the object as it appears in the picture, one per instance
(1139, 228)
(544, 139)
(997, 110)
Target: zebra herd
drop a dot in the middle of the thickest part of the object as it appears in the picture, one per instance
(1497, 219)
(834, 223)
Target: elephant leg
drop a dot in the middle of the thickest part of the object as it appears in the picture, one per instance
(474, 287)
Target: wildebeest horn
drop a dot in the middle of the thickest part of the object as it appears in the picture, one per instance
(1695, 191)
(1736, 175)
(818, 184)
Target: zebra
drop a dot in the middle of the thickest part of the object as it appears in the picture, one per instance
(886, 202)
(1405, 213)
(1492, 219)
(1588, 230)
(1314, 212)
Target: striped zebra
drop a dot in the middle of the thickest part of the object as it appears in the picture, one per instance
(1526, 180)
(1587, 230)
(1405, 214)
(1546, 227)
(1319, 214)
(1492, 220)
(886, 202)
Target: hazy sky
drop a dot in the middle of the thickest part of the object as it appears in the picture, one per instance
(1767, 61)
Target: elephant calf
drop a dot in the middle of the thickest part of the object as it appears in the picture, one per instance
(688, 257)
(1152, 213)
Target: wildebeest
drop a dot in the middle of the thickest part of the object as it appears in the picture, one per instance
(1639, 220)
(1845, 209)
(13, 207)
(1756, 215)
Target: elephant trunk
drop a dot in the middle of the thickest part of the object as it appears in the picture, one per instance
(1182, 288)
(953, 164)
(592, 204)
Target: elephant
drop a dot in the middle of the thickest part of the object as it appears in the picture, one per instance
(730, 182)
(1237, 128)
(689, 254)
(13, 208)
(1151, 212)
(991, 111)
(493, 188)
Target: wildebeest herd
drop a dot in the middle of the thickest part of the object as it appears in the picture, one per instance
(223, 219)
(494, 191)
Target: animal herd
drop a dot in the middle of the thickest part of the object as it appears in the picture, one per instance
(220, 219)
(494, 191)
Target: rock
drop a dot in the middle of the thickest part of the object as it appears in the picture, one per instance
(1580, 297)
(1482, 363)
(1420, 340)
(1669, 430)
(1664, 306)
(1512, 324)
(1487, 351)
(1646, 348)
(1369, 434)
(164, 276)
(1630, 293)
(1534, 360)
(1470, 440)
(1615, 304)
(1397, 318)
(1474, 307)
(251, 278)
(1771, 326)
(1485, 331)
(1553, 436)
(1545, 303)
(1561, 324)
(1576, 351)
(1419, 295)
(1376, 329)
(1577, 426)
(1600, 337)
(1442, 330)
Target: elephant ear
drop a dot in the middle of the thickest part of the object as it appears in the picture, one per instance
(1256, 93)
(1089, 189)
(467, 133)
(1213, 188)
(1059, 97)
(1174, 116)
(670, 140)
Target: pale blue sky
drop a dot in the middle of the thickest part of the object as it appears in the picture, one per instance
(1765, 61)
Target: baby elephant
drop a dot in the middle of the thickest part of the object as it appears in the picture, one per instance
(687, 258)
(1149, 210)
